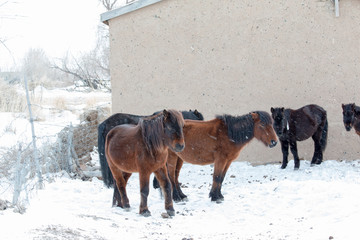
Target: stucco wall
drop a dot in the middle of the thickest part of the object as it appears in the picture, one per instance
(238, 56)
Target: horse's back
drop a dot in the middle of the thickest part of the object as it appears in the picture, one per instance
(121, 142)
(198, 128)
(307, 120)
(202, 139)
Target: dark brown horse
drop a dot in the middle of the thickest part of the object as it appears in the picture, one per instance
(119, 119)
(351, 117)
(219, 141)
(143, 148)
(298, 125)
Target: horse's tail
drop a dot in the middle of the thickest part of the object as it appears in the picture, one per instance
(324, 134)
(105, 170)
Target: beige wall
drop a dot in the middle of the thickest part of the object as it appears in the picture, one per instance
(238, 56)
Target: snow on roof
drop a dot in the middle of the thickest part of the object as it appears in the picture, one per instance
(105, 17)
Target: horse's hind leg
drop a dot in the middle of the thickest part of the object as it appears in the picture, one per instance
(116, 196)
(144, 193)
(318, 155)
(162, 176)
(179, 165)
(121, 179)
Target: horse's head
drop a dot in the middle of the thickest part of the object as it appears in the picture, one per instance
(193, 115)
(263, 129)
(348, 115)
(198, 115)
(173, 130)
(280, 124)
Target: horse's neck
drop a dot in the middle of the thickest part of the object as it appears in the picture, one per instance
(287, 114)
(357, 112)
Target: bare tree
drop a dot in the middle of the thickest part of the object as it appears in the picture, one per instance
(89, 70)
(108, 4)
(5, 15)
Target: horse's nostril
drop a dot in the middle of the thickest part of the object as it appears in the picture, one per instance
(273, 143)
(179, 147)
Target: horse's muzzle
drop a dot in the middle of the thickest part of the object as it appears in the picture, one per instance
(273, 143)
(179, 147)
(348, 127)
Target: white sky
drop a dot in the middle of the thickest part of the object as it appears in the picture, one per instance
(57, 26)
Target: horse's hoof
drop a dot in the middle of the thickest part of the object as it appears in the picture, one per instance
(146, 213)
(220, 200)
(127, 209)
(282, 167)
(171, 212)
(296, 168)
(185, 199)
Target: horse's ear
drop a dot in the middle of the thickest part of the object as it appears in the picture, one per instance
(353, 106)
(196, 111)
(343, 106)
(272, 110)
(282, 109)
(255, 116)
(166, 114)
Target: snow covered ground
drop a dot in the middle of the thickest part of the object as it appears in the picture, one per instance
(262, 202)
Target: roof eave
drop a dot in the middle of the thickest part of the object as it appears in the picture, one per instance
(105, 17)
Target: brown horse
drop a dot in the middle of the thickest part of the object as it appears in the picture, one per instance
(143, 148)
(351, 117)
(219, 141)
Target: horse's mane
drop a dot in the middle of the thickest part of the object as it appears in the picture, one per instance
(265, 117)
(357, 111)
(152, 129)
(193, 115)
(241, 128)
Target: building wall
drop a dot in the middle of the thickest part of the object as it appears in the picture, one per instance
(238, 56)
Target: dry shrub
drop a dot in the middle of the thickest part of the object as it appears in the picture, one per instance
(10, 99)
(59, 103)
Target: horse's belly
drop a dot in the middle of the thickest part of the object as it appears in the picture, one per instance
(196, 156)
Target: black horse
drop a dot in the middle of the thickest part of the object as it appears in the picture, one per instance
(298, 125)
(351, 117)
(119, 119)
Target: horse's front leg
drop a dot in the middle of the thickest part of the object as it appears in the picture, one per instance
(215, 192)
(285, 152)
(144, 193)
(293, 148)
(165, 184)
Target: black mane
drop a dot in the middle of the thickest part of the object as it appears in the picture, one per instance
(241, 128)
(265, 117)
(192, 115)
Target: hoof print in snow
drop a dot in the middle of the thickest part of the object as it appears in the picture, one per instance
(165, 215)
